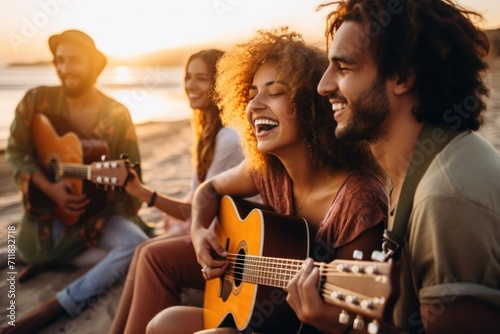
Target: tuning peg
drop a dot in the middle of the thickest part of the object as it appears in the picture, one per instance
(353, 300)
(357, 255)
(378, 256)
(344, 317)
(358, 323)
(124, 156)
(104, 157)
(341, 267)
(373, 327)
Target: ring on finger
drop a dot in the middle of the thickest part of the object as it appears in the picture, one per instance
(204, 269)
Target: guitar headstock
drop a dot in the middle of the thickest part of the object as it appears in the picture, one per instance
(112, 173)
(365, 288)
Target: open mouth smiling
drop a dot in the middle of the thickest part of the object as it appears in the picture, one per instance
(264, 125)
(194, 95)
(339, 106)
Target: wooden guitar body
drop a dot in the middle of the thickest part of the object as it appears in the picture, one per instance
(265, 251)
(55, 144)
(249, 306)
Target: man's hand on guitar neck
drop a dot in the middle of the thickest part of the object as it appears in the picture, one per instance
(305, 300)
(63, 193)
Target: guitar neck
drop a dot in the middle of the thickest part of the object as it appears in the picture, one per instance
(77, 171)
(110, 173)
(275, 272)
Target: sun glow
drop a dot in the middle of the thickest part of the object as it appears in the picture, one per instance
(129, 28)
(122, 75)
(140, 27)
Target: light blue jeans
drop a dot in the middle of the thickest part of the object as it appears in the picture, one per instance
(120, 236)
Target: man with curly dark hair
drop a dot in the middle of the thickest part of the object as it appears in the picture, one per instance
(408, 75)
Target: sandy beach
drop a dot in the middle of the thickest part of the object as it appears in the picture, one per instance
(165, 150)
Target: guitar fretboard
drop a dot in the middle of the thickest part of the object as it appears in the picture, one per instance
(268, 271)
(82, 172)
(277, 272)
(71, 170)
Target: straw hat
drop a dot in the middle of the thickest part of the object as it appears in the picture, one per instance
(80, 38)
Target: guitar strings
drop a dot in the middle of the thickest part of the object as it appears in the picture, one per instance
(250, 264)
(276, 271)
(72, 169)
(292, 264)
(66, 167)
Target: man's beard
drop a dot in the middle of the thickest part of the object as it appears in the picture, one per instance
(368, 113)
(84, 84)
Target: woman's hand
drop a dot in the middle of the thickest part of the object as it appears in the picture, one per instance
(133, 186)
(209, 252)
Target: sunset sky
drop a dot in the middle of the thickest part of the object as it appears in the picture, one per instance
(123, 28)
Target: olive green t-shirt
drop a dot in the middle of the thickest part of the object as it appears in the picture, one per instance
(452, 247)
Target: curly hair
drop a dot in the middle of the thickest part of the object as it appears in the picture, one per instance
(301, 66)
(206, 124)
(437, 42)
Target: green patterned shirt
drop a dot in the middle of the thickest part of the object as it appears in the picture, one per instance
(114, 127)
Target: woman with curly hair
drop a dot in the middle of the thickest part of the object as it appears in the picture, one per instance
(216, 148)
(267, 89)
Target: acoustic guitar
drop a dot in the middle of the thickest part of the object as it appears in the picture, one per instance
(266, 250)
(65, 155)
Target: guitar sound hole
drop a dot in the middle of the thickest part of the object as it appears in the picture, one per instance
(238, 267)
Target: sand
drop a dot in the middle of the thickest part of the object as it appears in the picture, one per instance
(165, 149)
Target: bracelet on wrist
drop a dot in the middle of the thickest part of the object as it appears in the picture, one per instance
(152, 200)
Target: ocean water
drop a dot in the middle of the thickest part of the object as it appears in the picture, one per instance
(150, 93)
